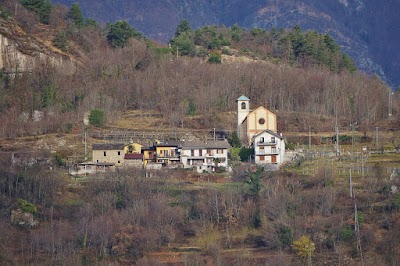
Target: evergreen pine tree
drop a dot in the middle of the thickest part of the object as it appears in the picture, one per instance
(183, 28)
(75, 14)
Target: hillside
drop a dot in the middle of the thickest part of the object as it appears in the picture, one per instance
(130, 88)
(365, 30)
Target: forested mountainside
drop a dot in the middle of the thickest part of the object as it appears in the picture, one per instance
(366, 30)
(119, 69)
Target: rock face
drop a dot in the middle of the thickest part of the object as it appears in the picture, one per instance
(366, 30)
(21, 52)
(22, 218)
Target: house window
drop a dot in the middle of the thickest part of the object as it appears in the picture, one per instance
(208, 152)
(219, 151)
(272, 139)
(261, 121)
(105, 154)
(262, 140)
(200, 152)
(262, 158)
(119, 161)
(262, 150)
(192, 152)
(243, 106)
(119, 153)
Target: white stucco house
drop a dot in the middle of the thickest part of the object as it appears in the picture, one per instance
(204, 156)
(269, 148)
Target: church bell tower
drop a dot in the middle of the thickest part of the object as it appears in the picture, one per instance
(243, 109)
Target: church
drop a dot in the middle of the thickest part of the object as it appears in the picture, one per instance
(252, 122)
(258, 128)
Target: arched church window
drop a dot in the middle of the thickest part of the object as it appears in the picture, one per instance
(243, 105)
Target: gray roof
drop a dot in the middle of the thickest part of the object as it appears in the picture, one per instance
(270, 132)
(108, 146)
(168, 144)
(219, 144)
(243, 98)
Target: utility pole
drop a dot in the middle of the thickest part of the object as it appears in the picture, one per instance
(337, 141)
(309, 137)
(353, 137)
(85, 141)
(337, 135)
(390, 104)
(357, 230)
(351, 185)
(362, 165)
(214, 133)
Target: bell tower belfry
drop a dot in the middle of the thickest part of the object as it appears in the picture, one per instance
(243, 105)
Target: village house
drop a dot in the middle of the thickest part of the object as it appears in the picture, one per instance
(161, 155)
(133, 147)
(91, 168)
(133, 160)
(108, 153)
(205, 156)
(269, 148)
(106, 157)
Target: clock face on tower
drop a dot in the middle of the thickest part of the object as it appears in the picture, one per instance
(261, 121)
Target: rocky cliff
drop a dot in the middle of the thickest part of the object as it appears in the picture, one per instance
(20, 51)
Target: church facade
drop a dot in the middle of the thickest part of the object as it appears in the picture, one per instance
(252, 122)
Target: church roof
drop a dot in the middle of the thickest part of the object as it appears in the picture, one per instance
(253, 111)
(243, 98)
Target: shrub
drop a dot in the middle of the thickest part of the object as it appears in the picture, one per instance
(285, 236)
(290, 146)
(346, 234)
(61, 41)
(215, 58)
(97, 118)
(395, 203)
(26, 206)
(234, 141)
(191, 108)
(201, 52)
(226, 51)
(245, 154)
(60, 161)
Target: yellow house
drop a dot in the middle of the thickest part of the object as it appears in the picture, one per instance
(133, 147)
(162, 153)
(167, 153)
(149, 155)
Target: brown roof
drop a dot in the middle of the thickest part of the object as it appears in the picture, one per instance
(133, 156)
(108, 146)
